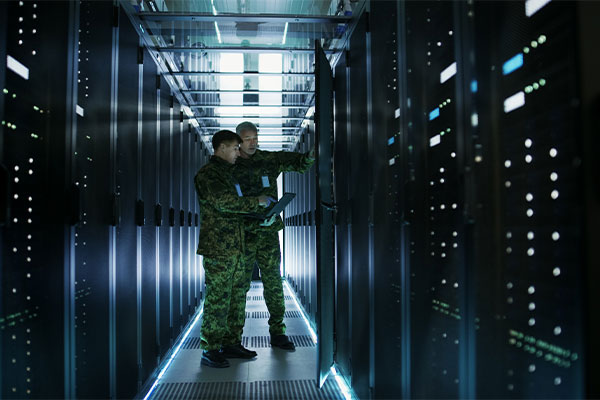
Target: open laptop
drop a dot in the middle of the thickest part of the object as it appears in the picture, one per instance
(276, 209)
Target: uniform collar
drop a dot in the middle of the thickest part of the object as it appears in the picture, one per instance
(220, 162)
(250, 160)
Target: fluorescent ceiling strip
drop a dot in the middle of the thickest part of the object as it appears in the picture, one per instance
(285, 33)
(218, 33)
(515, 101)
(533, 6)
(448, 72)
(17, 67)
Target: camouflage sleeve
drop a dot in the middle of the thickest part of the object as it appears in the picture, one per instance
(292, 162)
(220, 195)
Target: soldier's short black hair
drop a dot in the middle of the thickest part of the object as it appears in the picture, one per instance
(224, 136)
(245, 126)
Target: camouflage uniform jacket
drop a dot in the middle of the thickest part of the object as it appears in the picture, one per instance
(258, 174)
(221, 208)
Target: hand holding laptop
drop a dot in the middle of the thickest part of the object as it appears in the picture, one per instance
(269, 221)
(266, 201)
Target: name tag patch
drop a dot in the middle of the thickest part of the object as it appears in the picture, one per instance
(265, 181)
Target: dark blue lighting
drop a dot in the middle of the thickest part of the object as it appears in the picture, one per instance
(473, 86)
(434, 114)
(513, 64)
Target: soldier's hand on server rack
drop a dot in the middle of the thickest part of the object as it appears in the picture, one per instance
(269, 221)
(265, 201)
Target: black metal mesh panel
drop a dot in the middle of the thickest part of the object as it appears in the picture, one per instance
(168, 216)
(34, 163)
(342, 240)
(126, 232)
(149, 230)
(434, 209)
(387, 211)
(534, 118)
(98, 200)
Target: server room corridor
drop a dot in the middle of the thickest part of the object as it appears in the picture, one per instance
(442, 241)
(273, 374)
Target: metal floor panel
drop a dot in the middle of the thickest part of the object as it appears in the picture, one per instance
(274, 375)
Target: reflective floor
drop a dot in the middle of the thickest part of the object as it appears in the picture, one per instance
(274, 374)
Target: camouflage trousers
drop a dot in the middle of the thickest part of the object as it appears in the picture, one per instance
(225, 302)
(263, 248)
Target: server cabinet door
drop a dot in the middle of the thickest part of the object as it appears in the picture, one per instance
(324, 220)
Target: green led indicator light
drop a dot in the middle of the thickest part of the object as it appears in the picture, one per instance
(534, 44)
(528, 89)
(536, 86)
(3, 122)
(542, 39)
(526, 50)
(5, 91)
(33, 135)
(448, 130)
(36, 108)
(542, 82)
(88, 137)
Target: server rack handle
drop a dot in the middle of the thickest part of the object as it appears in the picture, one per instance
(329, 206)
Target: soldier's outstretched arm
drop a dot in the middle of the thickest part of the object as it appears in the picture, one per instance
(294, 162)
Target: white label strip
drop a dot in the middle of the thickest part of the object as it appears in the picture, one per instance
(397, 113)
(448, 73)
(392, 161)
(513, 102)
(533, 6)
(434, 141)
(79, 110)
(17, 67)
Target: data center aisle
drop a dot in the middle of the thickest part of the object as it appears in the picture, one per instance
(274, 375)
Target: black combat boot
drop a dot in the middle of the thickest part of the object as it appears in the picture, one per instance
(237, 351)
(283, 342)
(214, 359)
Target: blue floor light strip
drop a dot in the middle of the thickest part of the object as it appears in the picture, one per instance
(302, 312)
(173, 354)
(346, 390)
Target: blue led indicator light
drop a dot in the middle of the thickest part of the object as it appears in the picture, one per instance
(513, 64)
(434, 114)
(391, 140)
(473, 86)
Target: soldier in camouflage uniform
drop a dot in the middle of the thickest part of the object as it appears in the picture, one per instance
(221, 243)
(257, 172)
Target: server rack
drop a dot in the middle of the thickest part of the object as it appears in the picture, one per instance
(85, 128)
